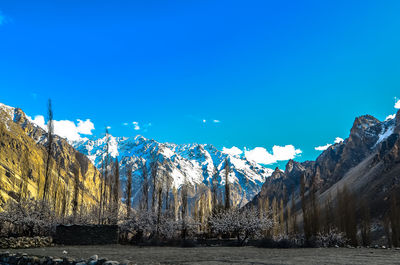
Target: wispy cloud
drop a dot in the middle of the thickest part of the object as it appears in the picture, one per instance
(125, 124)
(324, 147)
(216, 121)
(136, 126)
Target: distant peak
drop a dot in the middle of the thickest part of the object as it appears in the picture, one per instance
(140, 138)
(363, 123)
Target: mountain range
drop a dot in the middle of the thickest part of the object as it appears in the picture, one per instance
(367, 162)
(194, 164)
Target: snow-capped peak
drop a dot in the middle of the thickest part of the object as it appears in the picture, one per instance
(192, 163)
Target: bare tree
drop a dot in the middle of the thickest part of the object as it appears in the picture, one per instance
(184, 206)
(102, 188)
(128, 192)
(159, 208)
(144, 200)
(116, 192)
(49, 149)
(227, 187)
(346, 211)
(76, 193)
(365, 224)
(214, 189)
(154, 173)
(293, 216)
(304, 206)
(395, 220)
(315, 211)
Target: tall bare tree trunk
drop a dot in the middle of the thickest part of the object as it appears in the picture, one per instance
(49, 148)
(144, 203)
(227, 187)
(128, 192)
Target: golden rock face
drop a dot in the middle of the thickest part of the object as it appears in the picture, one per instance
(22, 165)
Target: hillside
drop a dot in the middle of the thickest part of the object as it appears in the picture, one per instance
(367, 163)
(23, 156)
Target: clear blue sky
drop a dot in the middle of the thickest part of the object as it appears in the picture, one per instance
(272, 72)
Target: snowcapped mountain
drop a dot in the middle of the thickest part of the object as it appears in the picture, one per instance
(193, 163)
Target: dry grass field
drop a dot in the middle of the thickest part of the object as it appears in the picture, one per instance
(224, 255)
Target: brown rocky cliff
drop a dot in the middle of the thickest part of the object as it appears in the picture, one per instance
(23, 156)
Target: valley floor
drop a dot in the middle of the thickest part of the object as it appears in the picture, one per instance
(224, 255)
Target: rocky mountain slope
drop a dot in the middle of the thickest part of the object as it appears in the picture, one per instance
(194, 164)
(23, 156)
(367, 163)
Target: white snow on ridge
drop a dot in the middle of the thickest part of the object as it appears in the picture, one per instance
(385, 134)
(9, 110)
(193, 163)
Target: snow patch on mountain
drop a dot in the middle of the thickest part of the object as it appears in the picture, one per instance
(386, 132)
(194, 163)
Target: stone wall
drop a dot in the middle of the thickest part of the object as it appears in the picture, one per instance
(86, 234)
(8, 258)
(25, 242)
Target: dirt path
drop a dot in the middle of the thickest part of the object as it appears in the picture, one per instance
(225, 255)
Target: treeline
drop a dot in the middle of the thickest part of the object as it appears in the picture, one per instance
(60, 195)
(165, 211)
(345, 214)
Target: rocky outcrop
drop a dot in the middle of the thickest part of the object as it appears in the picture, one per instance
(367, 162)
(22, 160)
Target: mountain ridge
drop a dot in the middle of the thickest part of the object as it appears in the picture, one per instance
(193, 163)
(367, 163)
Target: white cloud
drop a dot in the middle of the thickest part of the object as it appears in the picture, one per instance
(108, 127)
(234, 151)
(85, 127)
(397, 104)
(65, 128)
(125, 124)
(324, 147)
(204, 121)
(39, 121)
(279, 153)
(338, 140)
(390, 117)
(216, 121)
(136, 126)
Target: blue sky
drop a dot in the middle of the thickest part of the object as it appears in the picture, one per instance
(271, 72)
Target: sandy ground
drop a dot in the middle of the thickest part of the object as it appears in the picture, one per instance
(224, 255)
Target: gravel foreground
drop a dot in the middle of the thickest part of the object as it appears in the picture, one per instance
(223, 255)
